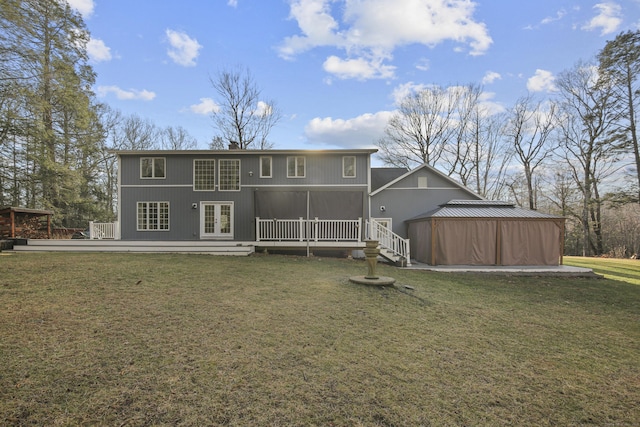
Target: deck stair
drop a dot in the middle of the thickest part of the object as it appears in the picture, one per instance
(195, 247)
(392, 247)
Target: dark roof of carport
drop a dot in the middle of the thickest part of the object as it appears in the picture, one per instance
(482, 209)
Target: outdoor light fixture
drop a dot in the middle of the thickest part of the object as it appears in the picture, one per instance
(250, 173)
(382, 208)
(194, 206)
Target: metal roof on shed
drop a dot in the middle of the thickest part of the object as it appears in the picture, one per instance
(482, 209)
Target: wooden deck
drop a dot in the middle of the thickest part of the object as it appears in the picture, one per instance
(195, 246)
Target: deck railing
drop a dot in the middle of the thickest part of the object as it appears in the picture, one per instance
(103, 230)
(388, 239)
(301, 230)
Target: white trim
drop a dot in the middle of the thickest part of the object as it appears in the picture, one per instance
(239, 174)
(270, 166)
(304, 162)
(153, 168)
(147, 222)
(287, 185)
(432, 169)
(214, 235)
(193, 177)
(354, 167)
(158, 186)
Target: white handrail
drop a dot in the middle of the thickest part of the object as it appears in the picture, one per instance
(316, 230)
(103, 230)
(389, 240)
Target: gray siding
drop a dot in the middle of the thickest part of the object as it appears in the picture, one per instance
(404, 200)
(323, 173)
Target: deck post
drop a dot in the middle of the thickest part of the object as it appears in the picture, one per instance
(257, 229)
(90, 230)
(301, 229)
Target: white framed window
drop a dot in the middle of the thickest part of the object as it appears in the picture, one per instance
(152, 167)
(349, 166)
(204, 175)
(296, 167)
(153, 216)
(265, 167)
(229, 175)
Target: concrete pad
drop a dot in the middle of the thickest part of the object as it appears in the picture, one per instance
(517, 270)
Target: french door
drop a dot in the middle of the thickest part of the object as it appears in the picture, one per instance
(216, 220)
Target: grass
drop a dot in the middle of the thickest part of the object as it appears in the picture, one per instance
(189, 340)
(625, 270)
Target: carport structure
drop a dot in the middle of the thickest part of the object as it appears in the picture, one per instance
(484, 232)
(24, 222)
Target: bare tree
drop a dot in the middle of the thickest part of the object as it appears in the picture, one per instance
(421, 129)
(588, 123)
(490, 156)
(620, 59)
(244, 117)
(529, 127)
(177, 138)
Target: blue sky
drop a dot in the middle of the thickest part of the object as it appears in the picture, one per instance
(335, 68)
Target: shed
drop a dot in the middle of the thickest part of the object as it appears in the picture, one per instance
(484, 232)
(24, 222)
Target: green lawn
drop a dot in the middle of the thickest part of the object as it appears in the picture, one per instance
(625, 270)
(192, 340)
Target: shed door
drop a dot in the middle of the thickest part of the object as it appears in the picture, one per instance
(216, 220)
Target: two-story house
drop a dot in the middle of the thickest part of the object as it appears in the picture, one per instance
(244, 195)
(308, 198)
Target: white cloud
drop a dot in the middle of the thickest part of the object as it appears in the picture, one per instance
(542, 81)
(608, 19)
(233, 3)
(402, 91)
(423, 64)
(85, 7)
(490, 77)
(131, 94)
(373, 29)
(205, 107)
(98, 51)
(360, 132)
(183, 50)
(358, 68)
(549, 19)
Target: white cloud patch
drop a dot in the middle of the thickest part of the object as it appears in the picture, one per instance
(205, 107)
(490, 77)
(126, 95)
(183, 50)
(359, 68)
(85, 7)
(608, 19)
(233, 3)
(98, 51)
(542, 81)
(370, 30)
(360, 132)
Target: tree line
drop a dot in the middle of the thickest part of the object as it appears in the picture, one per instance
(574, 153)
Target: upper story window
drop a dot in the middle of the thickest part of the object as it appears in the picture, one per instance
(152, 167)
(229, 175)
(204, 175)
(296, 167)
(153, 216)
(349, 167)
(265, 167)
